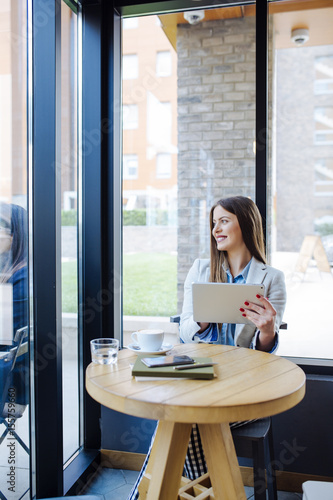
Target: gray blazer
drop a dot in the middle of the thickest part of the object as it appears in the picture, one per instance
(245, 335)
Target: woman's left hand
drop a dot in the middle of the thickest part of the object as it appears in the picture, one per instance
(263, 317)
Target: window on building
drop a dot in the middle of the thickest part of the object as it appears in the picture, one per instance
(323, 83)
(130, 166)
(163, 63)
(130, 66)
(159, 124)
(130, 116)
(324, 177)
(130, 23)
(163, 165)
(324, 125)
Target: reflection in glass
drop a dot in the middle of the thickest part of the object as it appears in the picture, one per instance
(13, 261)
(14, 317)
(14, 393)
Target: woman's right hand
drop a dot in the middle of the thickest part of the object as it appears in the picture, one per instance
(203, 327)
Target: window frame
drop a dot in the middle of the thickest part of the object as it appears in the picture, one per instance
(48, 475)
(127, 9)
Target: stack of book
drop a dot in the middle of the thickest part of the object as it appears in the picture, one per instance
(189, 371)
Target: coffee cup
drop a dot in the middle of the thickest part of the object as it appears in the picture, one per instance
(148, 340)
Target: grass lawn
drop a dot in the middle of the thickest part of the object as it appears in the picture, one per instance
(69, 287)
(149, 285)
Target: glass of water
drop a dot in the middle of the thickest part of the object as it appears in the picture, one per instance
(104, 351)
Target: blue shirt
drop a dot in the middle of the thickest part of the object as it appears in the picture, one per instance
(19, 280)
(226, 335)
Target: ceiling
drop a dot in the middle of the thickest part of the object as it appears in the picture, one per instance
(315, 15)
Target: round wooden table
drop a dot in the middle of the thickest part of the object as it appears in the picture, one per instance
(248, 384)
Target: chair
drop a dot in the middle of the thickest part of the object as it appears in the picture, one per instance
(9, 378)
(314, 490)
(255, 440)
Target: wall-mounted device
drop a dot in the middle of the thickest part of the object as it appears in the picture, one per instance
(194, 16)
(300, 36)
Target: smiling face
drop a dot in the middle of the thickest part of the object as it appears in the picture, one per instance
(226, 230)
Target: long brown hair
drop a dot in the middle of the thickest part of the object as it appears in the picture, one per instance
(250, 223)
(14, 218)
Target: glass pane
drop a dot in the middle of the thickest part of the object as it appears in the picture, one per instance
(69, 234)
(302, 179)
(14, 393)
(194, 88)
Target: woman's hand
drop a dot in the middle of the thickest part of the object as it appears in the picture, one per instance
(263, 317)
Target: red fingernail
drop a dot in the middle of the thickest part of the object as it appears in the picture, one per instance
(244, 315)
(258, 296)
(242, 310)
(246, 303)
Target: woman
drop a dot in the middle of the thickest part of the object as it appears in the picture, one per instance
(13, 259)
(237, 255)
(14, 273)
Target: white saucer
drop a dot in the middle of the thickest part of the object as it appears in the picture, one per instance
(162, 350)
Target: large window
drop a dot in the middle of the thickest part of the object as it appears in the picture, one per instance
(194, 144)
(14, 403)
(197, 144)
(68, 173)
(56, 271)
(302, 155)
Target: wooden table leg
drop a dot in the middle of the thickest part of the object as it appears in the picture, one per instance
(166, 462)
(222, 462)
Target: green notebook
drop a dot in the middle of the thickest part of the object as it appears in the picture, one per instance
(141, 370)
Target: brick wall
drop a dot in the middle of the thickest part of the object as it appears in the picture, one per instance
(216, 127)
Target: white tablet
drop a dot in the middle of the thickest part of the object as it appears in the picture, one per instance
(220, 302)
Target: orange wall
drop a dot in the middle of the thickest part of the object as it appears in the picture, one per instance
(146, 41)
